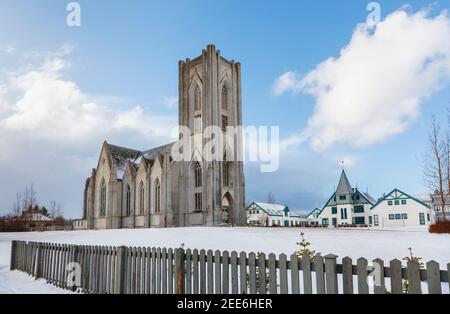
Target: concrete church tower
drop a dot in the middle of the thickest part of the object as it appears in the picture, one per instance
(210, 95)
(151, 188)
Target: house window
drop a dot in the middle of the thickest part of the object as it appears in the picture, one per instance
(343, 213)
(391, 217)
(342, 197)
(403, 202)
(398, 217)
(334, 210)
(359, 209)
(128, 200)
(103, 198)
(334, 222)
(141, 197)
(405, 216)
(422, 219)
(325, 222)
(376, 221)
(397, 202)
(157, 196)
(273, 222)
(390, 203)
(370, 220)
(198, 202)
(198, 175)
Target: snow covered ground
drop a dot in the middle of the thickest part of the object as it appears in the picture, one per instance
(384, 244)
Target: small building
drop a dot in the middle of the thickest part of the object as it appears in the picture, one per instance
(313, 217)
(273, 215)
(436, 206)
(398, 209)
(347, 206)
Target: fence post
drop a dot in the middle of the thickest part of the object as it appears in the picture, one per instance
(331, 274)
(120, 271)
(13, 255)
(179, 270)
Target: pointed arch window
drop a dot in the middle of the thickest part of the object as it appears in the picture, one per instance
(198, 175)
(103, 198)
(224, 98)
(157, 196)
(128, 200)
(226, 172)
(198, 98)
(141, 197)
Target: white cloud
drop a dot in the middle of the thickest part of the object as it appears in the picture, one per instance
(374, 89)
(44, 104)
(9, 49)
(171, 102)
(51, 131)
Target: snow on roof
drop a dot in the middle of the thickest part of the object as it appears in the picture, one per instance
(276, 209)
(39, 217)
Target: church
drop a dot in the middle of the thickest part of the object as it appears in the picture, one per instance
(132, 188)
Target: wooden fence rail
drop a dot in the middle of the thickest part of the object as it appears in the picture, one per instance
(136, 270)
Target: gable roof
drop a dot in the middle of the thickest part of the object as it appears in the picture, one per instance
(316, 211)
(344, 186)
(274, 209)
(401, 192)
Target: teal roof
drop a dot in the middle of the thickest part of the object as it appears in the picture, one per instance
(407, 195)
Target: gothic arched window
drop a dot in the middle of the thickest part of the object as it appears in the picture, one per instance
(226, 172)
(198, 175)
(224, 98)
(198, 98)
(141, 197)
(128, 200)
(157, 196)
(103, 198)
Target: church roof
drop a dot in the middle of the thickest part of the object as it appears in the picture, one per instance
(152, 153)
(344, 186)
(121, 155)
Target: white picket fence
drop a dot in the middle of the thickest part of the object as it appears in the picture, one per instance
(127, 270)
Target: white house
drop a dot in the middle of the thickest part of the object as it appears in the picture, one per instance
(398, 209)
(269, 215)
(347, 206)
(313, 217)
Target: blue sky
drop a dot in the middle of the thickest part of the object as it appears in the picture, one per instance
(126, 54)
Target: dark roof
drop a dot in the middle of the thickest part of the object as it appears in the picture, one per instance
(121, 155)
(151, 153)
(344, 186)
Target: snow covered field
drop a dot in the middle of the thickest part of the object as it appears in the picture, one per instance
(384, 244)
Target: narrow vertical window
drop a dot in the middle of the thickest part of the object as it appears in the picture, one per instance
(128, 200)
(198, 175)
(198, 99)
(198, 202)
(224, 98)
(141, 197)
(157, 196)
(226, 172)
(103, 198)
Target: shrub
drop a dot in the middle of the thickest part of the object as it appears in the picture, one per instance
(441, 227)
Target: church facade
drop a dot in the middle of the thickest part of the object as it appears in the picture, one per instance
(151, 189)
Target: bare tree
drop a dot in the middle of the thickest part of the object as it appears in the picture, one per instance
(29, 197)
(17, 206)
(435, 163)
(271, 198)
